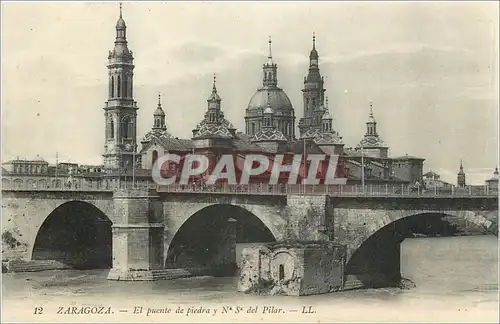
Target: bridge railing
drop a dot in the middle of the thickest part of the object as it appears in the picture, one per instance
(386, 190)
(332, 190)
(63, 184)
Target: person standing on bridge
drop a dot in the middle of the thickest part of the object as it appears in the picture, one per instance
(417, 186)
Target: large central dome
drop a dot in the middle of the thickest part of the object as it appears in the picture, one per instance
(277, 98)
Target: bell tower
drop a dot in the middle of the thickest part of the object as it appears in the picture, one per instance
(120, 111)
(313, 93)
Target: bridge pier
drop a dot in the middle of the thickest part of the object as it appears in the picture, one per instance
(309, 218)
(137, 236)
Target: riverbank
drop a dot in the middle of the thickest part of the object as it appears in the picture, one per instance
(455, 277)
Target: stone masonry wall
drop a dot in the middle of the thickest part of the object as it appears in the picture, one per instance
(294, 268)
(354, 221)
(307, 219)
(23, 213)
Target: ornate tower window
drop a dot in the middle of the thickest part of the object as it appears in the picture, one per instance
(125, 127)
(112, 87)
(111, 129)
(125, 88)
(154, 158)
(119, 84)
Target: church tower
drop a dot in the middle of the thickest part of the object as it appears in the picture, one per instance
(120, 110)
(270, 93)
(159, 124)
(313, 93)
(461, 176)
(372, 144)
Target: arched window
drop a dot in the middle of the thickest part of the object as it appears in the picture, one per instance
(111, 129)
(125, 127)
(125, 88)
(112, 92)
(155, 157)
(253, 129)
(281, 272)
(119, 90)
(269, 76)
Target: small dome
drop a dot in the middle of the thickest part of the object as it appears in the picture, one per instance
(39, 158)
(120, 24)
(159, 112)
(314, 54)
(214, 96)
(121, 49)
(268, 110)
(327, 116)
(277, 99)
(372, 142)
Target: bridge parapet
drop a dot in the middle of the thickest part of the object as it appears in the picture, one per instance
(59, 184)
(332, 190)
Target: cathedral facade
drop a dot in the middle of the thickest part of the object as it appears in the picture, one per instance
(270, 126)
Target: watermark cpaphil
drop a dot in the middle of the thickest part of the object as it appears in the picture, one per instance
(172, 169)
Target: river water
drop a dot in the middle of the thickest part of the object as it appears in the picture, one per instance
(456, 281)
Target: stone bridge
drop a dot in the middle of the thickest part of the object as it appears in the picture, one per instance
(140, 233)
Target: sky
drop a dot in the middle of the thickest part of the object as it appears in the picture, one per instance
(430, 70)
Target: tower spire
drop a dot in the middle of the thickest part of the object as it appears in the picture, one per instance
(270, 56)
(371, 124)
(461, 175)
(121, 108)
(214, 99)
(159, 117)
(121, 29)
(270, 69)
(314, 40)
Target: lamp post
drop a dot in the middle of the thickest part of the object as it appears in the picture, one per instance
(57, 163)
(362, 169)
(305, 165)
(133, 162)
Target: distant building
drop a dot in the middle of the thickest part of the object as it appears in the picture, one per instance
(461, 176)
(18, 166)
(492, 183)
(273, 96)
(269, 129)
(433, 180)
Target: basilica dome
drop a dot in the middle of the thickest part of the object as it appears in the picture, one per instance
(278, 100)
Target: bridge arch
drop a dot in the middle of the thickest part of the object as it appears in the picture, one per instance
(76, 233)
(207, 237)
(374, 256)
